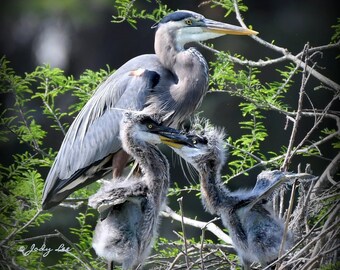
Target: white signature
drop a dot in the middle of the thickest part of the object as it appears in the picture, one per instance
(43, 249)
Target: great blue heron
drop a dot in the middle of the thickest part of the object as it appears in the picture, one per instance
(130, 207)
(254, 228)
(91, 147)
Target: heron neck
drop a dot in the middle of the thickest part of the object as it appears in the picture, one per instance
(154, 167)
(214, 194)
(190, 71)
(180, 61)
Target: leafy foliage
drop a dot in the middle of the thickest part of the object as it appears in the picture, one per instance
(129, 11)
(44, 89)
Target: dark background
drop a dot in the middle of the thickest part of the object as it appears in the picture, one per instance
(78, 35)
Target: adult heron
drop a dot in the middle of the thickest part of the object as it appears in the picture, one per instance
(130, 207)
(254, 228)
(91, 147)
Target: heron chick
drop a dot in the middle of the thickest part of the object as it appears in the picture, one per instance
(92, 147)
(255, 230)
(130, 207)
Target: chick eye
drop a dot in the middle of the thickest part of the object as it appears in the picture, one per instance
(194, 141)
(188, 22)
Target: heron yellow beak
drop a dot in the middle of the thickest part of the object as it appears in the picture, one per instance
(172, 142)
(227, 29)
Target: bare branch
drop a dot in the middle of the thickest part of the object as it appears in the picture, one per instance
(211, 227)
(330, 171)
(288, 55)
(180, 201)
(296, 121)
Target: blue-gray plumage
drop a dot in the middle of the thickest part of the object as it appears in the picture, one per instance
(255, 230)
(130, 207)
(91, 147)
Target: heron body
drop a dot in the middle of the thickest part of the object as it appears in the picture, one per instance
(130, 207)
(255, 230)
(91, 147)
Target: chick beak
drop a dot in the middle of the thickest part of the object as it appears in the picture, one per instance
(171, 137)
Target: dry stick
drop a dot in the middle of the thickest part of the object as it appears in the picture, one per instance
(331, 218)
(288, 55)
(301, 240)
(290, 209)
(331, 169)
(313, 258)
(182, 253)
(316, 124)
(296, 121)
(307, 246)
(175, 260)
(322, 48)
(180, 202)
(202, 240)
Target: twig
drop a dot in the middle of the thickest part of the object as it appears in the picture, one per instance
(331, 170)
(285, 231)
(202, 240)
(50, 109)
(297, 255)
(327, 224)
(288, 55)
(296, 121)
(82, 258)
(38, 237)
(180, 202)
(14, 232)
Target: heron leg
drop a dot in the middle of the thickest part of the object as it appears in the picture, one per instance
(109, 265)
(119, 161)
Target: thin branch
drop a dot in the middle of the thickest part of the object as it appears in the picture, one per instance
(288, 55)
(44, 236)
(296, 121)
(202, 240)
(50, 109)
(285, 231)
(332, 169)
(180, 201)
(325, 226)
(82, 258)
(14, 232)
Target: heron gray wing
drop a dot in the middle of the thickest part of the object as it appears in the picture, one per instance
(94, 134)
(266, 184)
(266, 179)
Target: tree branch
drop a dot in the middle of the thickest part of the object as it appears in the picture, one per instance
(211, 227)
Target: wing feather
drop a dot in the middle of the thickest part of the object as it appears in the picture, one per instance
(94, 134)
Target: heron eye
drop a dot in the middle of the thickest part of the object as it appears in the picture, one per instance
(188, 22)
(150, 126)
(194, 141)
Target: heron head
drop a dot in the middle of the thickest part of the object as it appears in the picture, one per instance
(201, 145)
(149, 128)
(187, 26)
